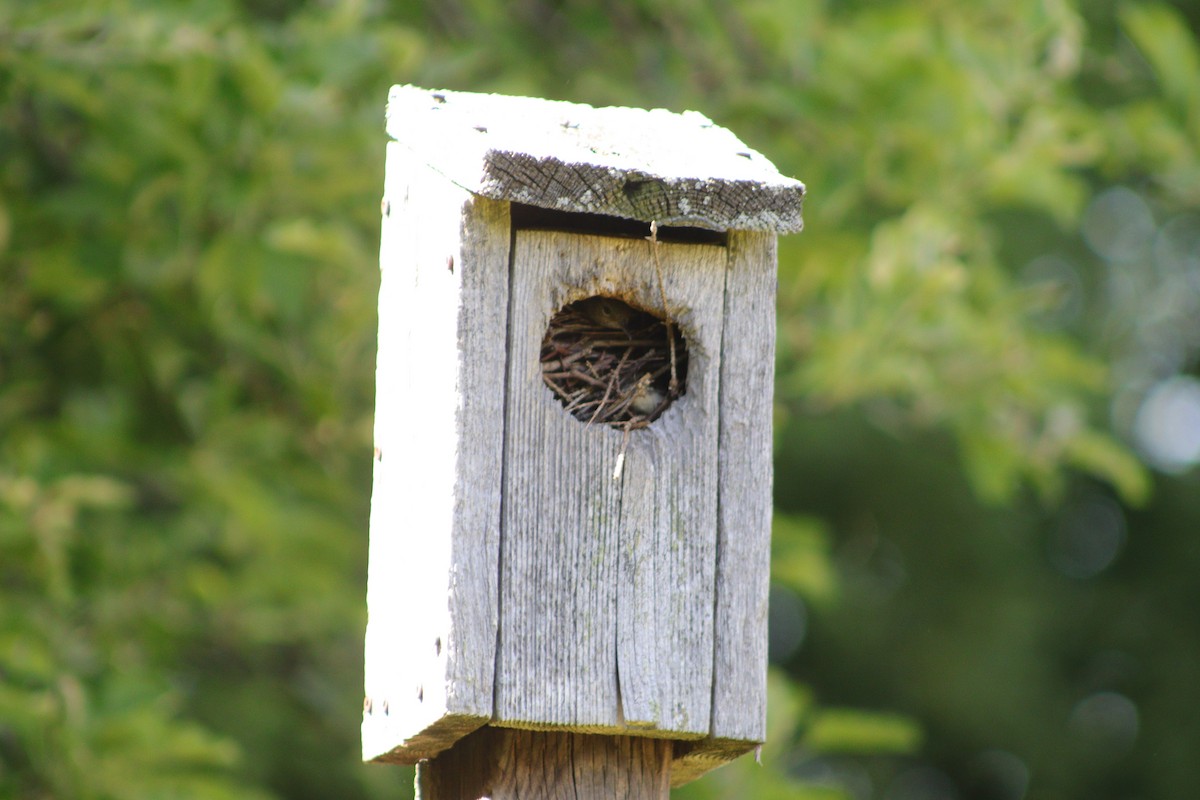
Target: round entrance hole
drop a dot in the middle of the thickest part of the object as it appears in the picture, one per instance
(609, 362)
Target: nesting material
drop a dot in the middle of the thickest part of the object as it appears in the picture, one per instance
(608, 362)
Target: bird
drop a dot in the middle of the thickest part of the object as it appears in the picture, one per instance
(607, 312)
(646, 399)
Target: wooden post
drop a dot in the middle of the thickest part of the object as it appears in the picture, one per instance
(551, 599)
(506, 764)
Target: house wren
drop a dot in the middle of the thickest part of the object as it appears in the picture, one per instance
(607, 312)
(646, 399)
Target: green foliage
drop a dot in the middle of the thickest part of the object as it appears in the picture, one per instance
(187, 272)
(1158, 134)
(188, 230)
(768, 774)
(1162, 35)
(800, 558)
(854, 731)
(90, 715)
(947, 116)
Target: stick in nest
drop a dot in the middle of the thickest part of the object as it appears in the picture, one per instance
(605, 361)
(662, 295)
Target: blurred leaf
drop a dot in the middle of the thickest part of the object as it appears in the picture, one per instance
(800, 557)
(1100, 456)
(769, 774)
(1163, 36)
(840, 730)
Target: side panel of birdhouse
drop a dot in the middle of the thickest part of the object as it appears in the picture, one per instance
(435, 508)
(606, 583)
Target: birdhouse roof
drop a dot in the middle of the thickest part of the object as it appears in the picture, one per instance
(675, 169)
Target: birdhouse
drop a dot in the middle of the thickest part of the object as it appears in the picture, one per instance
(570, 523)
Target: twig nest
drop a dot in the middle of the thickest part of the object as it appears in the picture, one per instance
(608, 362)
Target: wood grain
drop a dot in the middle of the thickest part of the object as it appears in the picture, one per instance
(739, 699)
(499, 764)
(678, 169)
(435, 508)
(606, 586)
(744, 531)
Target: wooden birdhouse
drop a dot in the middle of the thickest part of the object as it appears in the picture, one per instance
(570, 524)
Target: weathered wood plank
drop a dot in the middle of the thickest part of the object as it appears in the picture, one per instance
(533, 765)
(678, 169)
(636, 595)
(739, 699)
(435, 511)
(744, 545)
(606, 586)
